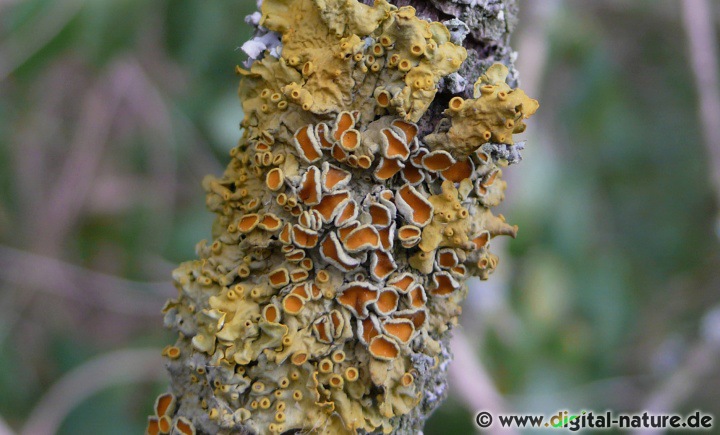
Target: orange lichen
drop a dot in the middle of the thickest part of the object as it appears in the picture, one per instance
(299, 358)
(343, 123)
(351, 374)
(438, 161)
(307, 145)
(153, 426)
(444, 284)
(386, 237)
(173, 352)
(362, 238)
(274, 179)
(270, 313)
(364, 162)
(387, 168)
(338, 322)
(329, 206)
(339, 154)
(409, 235)
(393, 146)
(417, 296)
(279, 278)
(409, 129)
(248, 223)
(323, 331)
(402, 282)
(380, 215)
(381, 347)
(286, 235)
(387, 302)
(164, 424)
(447, 258)
(456, 103)
(301, 290)
(348, 213)
(407, 380)
(350, 140)
(481, 240)
(304, 238)
(333, 252)
(334, 177)
(357, 296)
(459, 171)
(270, 222)
(382, 265)
(368, 330)
(164, 405)
(383, 98)
(414, 206)
(418, 317)
(299, 275)
(321, 131)
(309, 192)
(344, 232)
(412, 174)
(293, 304)
(338, 356)
(401, 329)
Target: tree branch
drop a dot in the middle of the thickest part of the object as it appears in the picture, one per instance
(354, 208)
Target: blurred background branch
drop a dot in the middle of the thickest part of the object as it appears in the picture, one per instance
(471, 382)
(110, 293)
(116, 368)
(701, 359)
(24, 43)
(4, 428)
(699, 23)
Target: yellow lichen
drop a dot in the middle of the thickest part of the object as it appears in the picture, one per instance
(495, 114)
(343, 237)
(327, 40)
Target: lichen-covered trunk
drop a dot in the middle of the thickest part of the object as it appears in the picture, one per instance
(353, 210)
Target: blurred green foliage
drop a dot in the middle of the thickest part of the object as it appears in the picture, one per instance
(615, 264)
(133, 222)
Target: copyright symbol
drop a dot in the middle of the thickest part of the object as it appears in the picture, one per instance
(483, 419)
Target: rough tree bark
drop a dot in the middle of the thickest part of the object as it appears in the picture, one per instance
(364, 333)
(490, 24)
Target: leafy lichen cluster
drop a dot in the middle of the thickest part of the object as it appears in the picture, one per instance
(342, 240)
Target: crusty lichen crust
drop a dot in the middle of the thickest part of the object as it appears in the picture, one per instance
(343, 240)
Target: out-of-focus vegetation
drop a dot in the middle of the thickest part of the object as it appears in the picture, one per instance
(111, 112)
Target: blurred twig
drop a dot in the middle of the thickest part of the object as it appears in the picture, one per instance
(699, 25)
(146, 104)
(533, 43)
(108, 370)
(5, 428)
(19, 47)
(99, 112)
(108, 292)
(472, 383)
(702, 359)
(65, 201)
